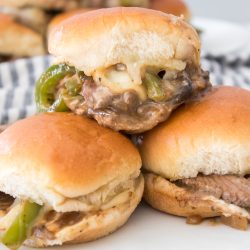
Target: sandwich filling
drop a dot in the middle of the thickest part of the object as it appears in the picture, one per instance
(43, 223)
(114, 99)
(231, 189)
(227, 196)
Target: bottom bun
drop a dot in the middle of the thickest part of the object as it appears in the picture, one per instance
(95, 224)
(165, 196)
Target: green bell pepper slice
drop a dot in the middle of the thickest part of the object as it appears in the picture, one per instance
(17, 233)
(153, 86)
(46, 87)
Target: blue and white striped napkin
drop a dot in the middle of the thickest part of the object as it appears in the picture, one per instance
(17, 81)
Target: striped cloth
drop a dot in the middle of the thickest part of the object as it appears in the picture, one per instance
(17, 81)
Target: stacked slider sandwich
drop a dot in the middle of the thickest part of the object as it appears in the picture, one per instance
(197, 163)
(128, 68)
(65, 179)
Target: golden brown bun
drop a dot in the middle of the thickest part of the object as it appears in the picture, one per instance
(175, 7)
(165, 196)
(46, 4)
(58, 19)
(30, 43)
(55, 158)
(110, 36)
(94, 225)
(209, 136)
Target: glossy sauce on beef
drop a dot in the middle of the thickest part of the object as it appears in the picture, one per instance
(127, 112)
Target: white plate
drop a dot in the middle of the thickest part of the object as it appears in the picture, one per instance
(221, 37)
(149, 229)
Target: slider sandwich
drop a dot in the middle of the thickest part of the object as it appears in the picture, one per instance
(43, 4)
(175, 7)
(18, 39)
(26, 21)
(197, 163)
(64, 180)
(128, 68)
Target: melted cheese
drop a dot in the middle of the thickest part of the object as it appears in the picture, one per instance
(119, 81)
(131, 78)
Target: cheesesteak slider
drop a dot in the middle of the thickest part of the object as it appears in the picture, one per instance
(197, 163)
(30, 41)
(128, 68)
(26, 21)
(64, 179)
(44, 4)
(175, 7)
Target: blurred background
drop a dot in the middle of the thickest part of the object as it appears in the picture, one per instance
(236, 11)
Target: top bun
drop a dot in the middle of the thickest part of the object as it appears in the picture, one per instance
(175, 7)
(136, 37)
(208, 136)
(51, 158)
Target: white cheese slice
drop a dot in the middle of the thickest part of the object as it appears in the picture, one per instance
(119, 81)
